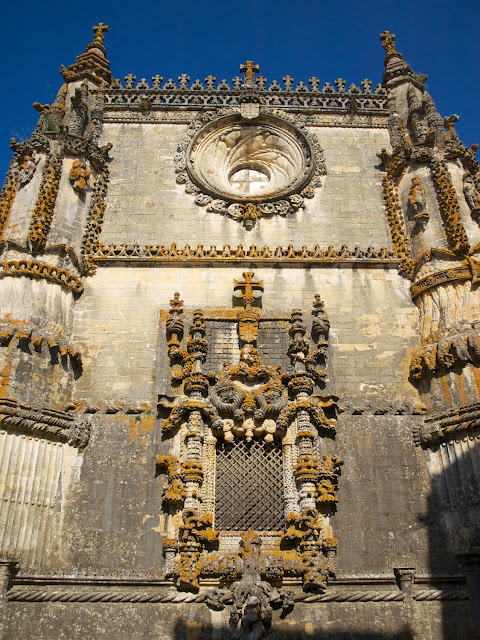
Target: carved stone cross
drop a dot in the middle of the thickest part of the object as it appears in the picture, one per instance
(388, 42)
(99, 30)
(249, 69)
(249, 285)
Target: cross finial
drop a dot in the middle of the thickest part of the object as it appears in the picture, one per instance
(248, 285)
(249, 69)
(388, 42)
(99, 30)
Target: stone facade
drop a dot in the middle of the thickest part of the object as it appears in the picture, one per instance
(239, 361)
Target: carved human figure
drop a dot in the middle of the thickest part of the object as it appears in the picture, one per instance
(472, 196)
(418, 202)
(79, 175)
(28, 169)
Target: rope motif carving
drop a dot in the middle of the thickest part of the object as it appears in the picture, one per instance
(179, 597)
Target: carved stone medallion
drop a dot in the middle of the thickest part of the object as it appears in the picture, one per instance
(250, 168)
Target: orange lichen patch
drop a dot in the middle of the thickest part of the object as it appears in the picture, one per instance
(7, 197)
(462, 391)
(141, 428)
(445, 390)
(476, 377)
(5, 380)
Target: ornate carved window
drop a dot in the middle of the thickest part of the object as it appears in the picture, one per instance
(248, 438)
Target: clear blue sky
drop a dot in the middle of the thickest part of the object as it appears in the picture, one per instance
(301, 38)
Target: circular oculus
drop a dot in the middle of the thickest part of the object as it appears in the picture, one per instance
(250, 161)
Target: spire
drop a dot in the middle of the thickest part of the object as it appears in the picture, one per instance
(396, 69)
(93, 64)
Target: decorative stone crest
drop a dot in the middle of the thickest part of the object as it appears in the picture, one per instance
(249, 168)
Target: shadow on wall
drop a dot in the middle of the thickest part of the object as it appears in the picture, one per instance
(198, 631)
(454, 507)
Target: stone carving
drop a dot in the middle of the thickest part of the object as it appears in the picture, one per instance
(456, 423)
(174, 492)
(227, 253)
(104, 406)
(51, 117)
(16, 330)
(27, 169)
(449, 207)
(44, 423)
(472, 196)
(34, 269)
(47, 195)
(92, 64)
(401, 245)
(79, 111)
(9, 191)
(249, 171)
(418, 202)
(90, 243)
(326, 100)
(457, 350)
(470, 270)
(79, 175)
(250, 400)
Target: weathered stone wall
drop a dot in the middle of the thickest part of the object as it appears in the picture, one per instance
(146, 206)
(118, 324)
(335, 621)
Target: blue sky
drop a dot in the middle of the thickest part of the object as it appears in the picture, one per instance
(300, 38)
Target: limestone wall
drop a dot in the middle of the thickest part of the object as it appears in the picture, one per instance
(146, 206)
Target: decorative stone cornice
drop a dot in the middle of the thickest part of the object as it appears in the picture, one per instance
(207, 254)
(46, 423)
(147, 99)
(455, 423)
(468, 271)
(35, 269)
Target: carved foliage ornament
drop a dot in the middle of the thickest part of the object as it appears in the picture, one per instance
(248, 169)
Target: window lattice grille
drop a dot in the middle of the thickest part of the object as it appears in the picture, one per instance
(249, 486)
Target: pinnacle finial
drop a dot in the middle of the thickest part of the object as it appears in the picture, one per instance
(249, 69)
(388, 42)
(93, 63)
(99, 30)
